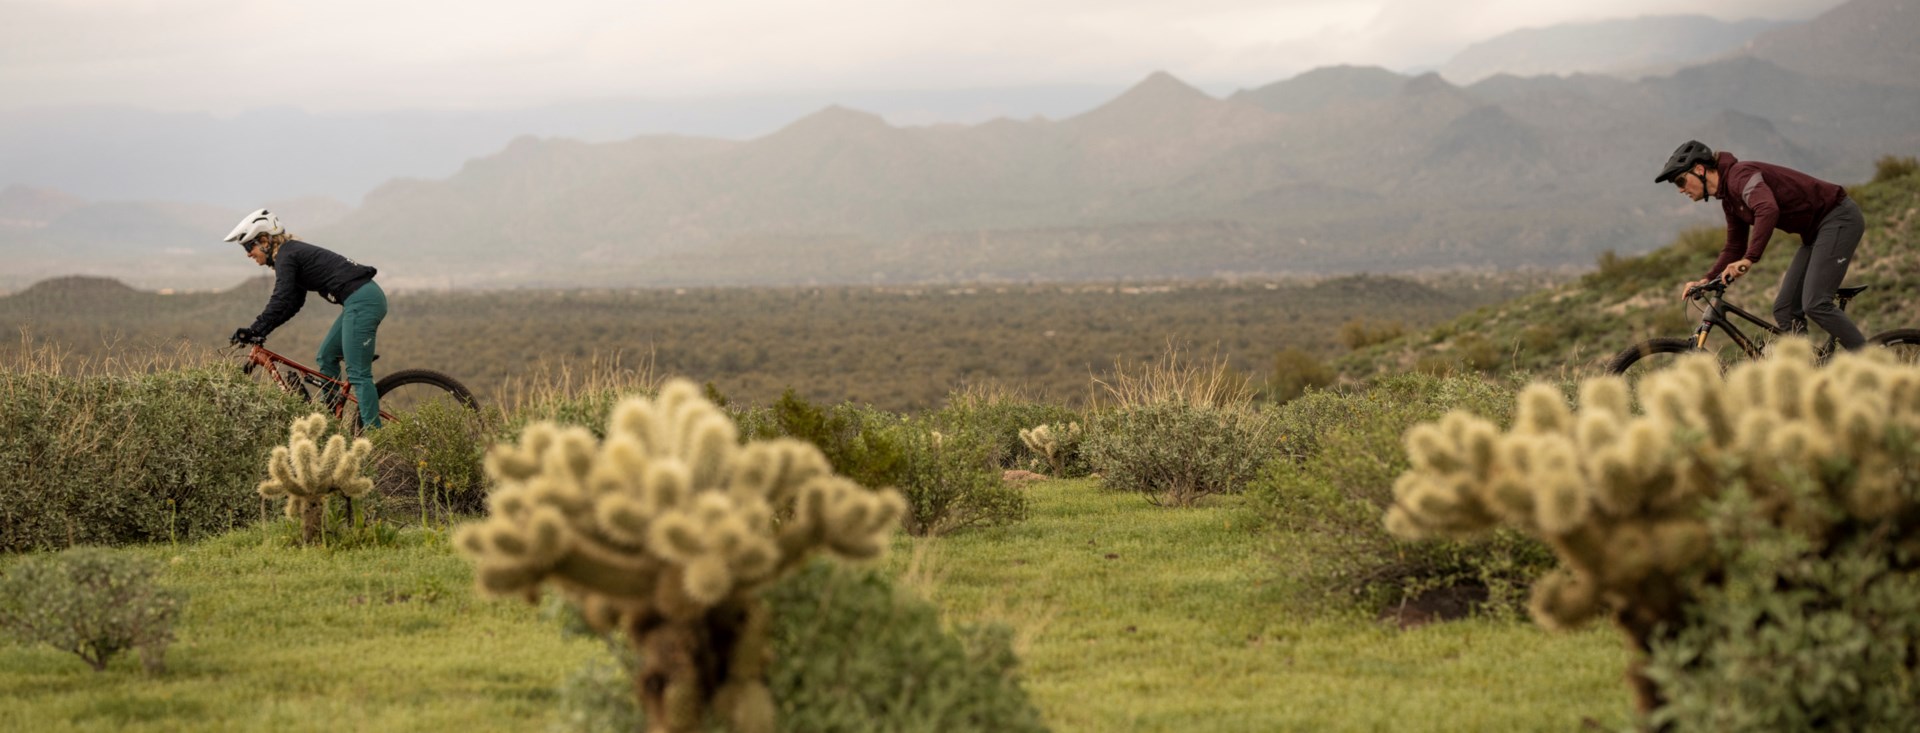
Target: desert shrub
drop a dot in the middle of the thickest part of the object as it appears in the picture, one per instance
(171, 455)
(1383, 411)
(1890, 167)
(1436, 364)
(1335, 477)
(857, 440)
(1176, 452)
(1791, 639)
(431, 462)
(587, 409)
(851, 653)
(92, 602)
(950, 480)
(1478, 353)
(1627, 496)
(1176, 376)
(1294, 372)
(1360, 333)
(1543, 338)
(998, 419)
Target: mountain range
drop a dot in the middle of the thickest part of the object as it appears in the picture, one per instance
(1337, 169)
(1624, 47)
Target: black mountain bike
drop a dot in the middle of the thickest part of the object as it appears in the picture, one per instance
(1655, 353)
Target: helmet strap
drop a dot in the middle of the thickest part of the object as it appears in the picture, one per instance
(1706, 193)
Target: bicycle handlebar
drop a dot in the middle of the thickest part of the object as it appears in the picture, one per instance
(1716, 285)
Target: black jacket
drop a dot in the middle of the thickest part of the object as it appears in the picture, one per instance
(300, 268)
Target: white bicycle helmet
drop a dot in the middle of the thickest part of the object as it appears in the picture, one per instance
(255, 224)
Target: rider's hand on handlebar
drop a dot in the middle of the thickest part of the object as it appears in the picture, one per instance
(246, 336)
(1686, 289)
(1736, 270)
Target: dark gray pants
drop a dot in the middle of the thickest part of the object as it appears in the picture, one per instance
(1806, 293)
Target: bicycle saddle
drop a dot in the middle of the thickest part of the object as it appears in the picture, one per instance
(1850, 292)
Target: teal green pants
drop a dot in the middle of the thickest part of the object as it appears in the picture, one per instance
(351, 338)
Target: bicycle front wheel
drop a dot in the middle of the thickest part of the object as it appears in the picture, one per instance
(1649, 356)
(1903, 342)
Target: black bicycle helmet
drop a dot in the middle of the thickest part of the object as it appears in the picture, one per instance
(1684, 159)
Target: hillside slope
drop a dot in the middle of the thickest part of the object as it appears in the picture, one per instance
(1572, 330)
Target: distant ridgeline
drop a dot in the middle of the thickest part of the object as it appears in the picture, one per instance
(1337, 170)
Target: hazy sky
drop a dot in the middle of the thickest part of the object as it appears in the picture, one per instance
(357, 55)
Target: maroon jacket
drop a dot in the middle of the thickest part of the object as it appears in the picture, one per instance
(1762, 197)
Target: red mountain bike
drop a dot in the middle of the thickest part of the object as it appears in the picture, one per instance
(401, 392)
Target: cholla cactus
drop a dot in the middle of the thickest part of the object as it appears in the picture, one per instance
(1052, 443)
(1618, 495)
(306, 475)
(667, 530)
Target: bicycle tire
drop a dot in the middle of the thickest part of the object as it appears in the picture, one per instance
(428, 377)
(1899, 337)
(1633, 354)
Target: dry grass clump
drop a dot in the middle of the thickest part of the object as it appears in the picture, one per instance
(1176, 377)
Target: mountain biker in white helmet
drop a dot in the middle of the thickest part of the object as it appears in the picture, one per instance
(300, 268)
(1761, 197)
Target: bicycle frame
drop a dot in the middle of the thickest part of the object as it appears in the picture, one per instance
(1716, 315)
(261, 357)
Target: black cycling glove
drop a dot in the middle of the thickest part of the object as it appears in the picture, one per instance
(246, 336)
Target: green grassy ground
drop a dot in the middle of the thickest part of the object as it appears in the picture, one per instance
(1141, 618)
(1131, 618)
(286, 639)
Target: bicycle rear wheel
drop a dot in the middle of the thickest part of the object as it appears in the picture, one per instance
(408, 390)
(1903, 342)
(1649, 356)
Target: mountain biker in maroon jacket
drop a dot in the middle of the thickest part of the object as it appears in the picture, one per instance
(300, 268)
(1759, 198)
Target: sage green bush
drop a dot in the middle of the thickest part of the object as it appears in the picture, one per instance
(951, 480)
(586, 409)
(107, 460)
(1793, 640)
(431, 462)
(1176, 452)
(999, 420)
(1334, 477)
(92, 602)
(1295, 372)
(853, 654)
(858, 441)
